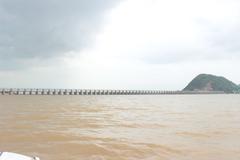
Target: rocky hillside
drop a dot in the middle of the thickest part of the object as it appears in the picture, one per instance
(208, 82)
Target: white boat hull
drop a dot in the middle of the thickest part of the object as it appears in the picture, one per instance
(15, 156)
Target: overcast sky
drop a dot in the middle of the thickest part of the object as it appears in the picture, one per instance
(117, 44)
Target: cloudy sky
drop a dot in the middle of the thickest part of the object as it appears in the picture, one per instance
(117, 44)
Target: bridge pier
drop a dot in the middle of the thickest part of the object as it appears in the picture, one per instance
(80, 92)
(24, 91)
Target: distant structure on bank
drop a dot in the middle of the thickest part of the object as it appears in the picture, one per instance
(16, 91)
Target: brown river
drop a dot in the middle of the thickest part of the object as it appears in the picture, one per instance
(161, 127)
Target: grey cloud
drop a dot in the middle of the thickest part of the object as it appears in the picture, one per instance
(227, 41)
(46, 28)
(218, 43)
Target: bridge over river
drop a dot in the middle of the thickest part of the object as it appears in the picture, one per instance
(40, 91)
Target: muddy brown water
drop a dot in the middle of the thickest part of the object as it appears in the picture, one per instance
(161, 127)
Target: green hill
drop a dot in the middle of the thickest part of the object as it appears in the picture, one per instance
(208, 82)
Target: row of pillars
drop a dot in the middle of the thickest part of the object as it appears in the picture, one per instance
(82, 92)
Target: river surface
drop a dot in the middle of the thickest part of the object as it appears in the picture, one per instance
(161, 127)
